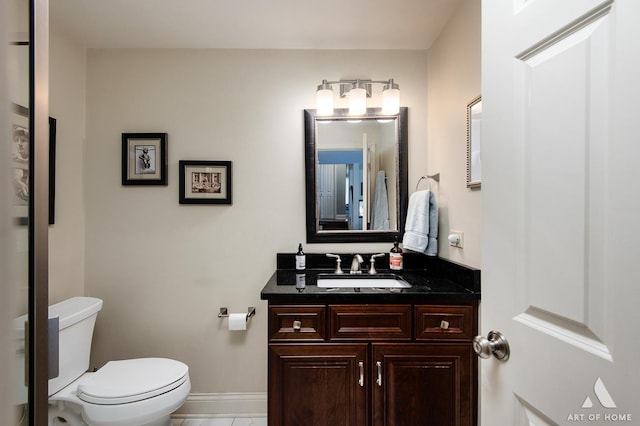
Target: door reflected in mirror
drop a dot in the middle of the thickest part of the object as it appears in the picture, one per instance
(356, 176)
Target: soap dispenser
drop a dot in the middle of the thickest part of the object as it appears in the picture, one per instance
(395, 257)
(300, 259)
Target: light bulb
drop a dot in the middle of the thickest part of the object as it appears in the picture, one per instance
(391, 102)
(391, 99)
(324, 102)
(357, 100)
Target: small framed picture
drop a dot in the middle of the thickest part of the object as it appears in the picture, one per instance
(20, 154)
(474, 143)
(205, 182)
(144, 159)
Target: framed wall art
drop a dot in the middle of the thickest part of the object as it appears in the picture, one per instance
(474, 145)
(205, 182)
(53, 125)
(144, 159)
(20, 157)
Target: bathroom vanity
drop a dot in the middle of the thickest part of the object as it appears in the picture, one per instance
(372, 356)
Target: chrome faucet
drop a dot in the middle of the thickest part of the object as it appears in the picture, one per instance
(372, 268)
(337, 258)
(355, 264)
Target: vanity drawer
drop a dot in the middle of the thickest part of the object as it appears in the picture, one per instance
(370, 322)
(438, 322)
(297, 323)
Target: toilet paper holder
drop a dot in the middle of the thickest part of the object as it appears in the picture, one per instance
(224, 312)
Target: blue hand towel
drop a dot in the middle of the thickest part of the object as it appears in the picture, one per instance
(421, 227)
(380, 205)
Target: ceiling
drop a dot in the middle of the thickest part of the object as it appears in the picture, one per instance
(252, 24)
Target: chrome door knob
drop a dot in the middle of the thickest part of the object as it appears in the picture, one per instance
(495, 344)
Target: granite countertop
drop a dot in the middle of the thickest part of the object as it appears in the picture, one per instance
(430, 278)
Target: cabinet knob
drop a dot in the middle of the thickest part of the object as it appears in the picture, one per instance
(495, 344)
(297, 325)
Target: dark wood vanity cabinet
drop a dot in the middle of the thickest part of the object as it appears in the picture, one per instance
(372, 364)
(423, 384)
(313, 384)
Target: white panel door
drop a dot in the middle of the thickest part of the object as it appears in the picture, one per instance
(561, 211)
(326, 191)
(368, 180)
(371, 167)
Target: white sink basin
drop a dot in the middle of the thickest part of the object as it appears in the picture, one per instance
(362, 282)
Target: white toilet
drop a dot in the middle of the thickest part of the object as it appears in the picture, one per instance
(132, 392)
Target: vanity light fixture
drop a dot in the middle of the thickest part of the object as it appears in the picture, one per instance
(358, 91)
(390, 98)
(324, 99)
(357, 99)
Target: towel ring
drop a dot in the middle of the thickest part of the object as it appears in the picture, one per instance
(435, 177)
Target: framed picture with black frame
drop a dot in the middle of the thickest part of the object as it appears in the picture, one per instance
(20, 157)
(144, 159)
(205, 182)
(20, 162)
(53, 123)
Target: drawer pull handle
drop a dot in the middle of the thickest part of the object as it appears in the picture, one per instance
(379, 367)
(297, 325)
(444, 325)
(361, 379)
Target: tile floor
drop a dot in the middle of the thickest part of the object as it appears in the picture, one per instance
(240, 421)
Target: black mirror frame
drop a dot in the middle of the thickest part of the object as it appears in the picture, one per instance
(315, 236)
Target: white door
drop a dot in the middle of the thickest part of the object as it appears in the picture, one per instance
(370, 173)
(366, 182)
(326, 189)
(561, 211)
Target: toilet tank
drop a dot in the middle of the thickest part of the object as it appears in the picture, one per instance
(77, 317)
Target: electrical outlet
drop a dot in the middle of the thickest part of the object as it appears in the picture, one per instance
(456, 239)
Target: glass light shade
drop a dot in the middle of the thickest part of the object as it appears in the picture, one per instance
(391, 101)
(324, 102)
(357, 101)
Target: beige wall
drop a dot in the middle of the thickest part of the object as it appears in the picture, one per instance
(453, 81)
(164, 269)
(67, 105)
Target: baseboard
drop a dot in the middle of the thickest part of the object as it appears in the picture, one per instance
(223, 405)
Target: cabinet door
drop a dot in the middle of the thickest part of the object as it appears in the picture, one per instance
(318, 385)
(423, 384)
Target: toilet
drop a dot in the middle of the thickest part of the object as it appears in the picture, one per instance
(131, 392)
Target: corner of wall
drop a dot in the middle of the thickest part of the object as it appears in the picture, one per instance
(454, 80)
(67, 74)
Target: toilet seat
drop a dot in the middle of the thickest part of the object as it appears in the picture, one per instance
(130, 392)
(132, 380)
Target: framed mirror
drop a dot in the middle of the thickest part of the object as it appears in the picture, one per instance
(356, 172)
(474, 146)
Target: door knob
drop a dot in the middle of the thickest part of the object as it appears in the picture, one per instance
(495, 344)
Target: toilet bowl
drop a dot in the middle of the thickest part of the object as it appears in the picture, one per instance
(142, 391)
(130, 392)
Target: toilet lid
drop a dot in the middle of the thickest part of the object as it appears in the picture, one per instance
(121, 382)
